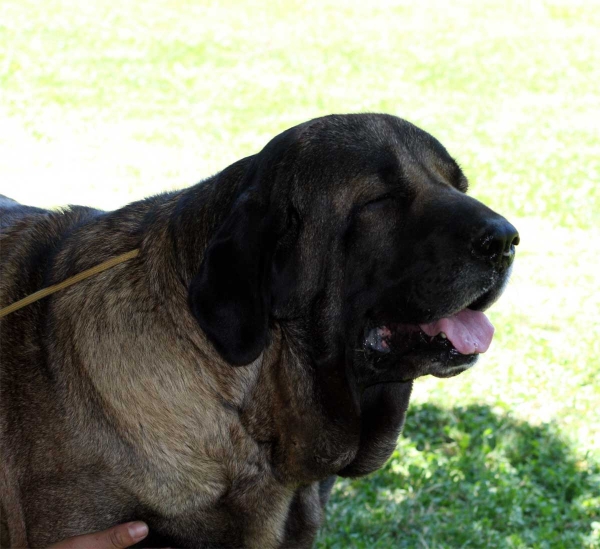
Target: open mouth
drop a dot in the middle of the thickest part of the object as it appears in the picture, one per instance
(466, 333)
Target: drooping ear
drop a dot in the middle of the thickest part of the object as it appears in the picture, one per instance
(230, 296)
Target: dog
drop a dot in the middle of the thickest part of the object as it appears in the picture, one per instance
(263, 342)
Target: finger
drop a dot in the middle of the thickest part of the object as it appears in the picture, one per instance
(126, 535)
(118, 537)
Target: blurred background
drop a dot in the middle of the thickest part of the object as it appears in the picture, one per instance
(105, 102)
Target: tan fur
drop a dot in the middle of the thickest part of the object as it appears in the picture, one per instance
(123, 398)
(148, 363)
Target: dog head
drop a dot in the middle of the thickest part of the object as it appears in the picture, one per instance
(354, 235)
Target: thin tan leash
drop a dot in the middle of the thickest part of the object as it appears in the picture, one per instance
(69, 282)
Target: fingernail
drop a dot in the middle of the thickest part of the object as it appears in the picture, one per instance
(138, 530)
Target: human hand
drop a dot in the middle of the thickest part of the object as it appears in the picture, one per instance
(117, 537)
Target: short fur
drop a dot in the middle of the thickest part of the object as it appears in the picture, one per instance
(215, 385)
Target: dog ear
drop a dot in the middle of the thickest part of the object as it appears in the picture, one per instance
(246, 271)
(230, 296)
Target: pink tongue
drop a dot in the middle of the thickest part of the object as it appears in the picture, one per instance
(469, 331)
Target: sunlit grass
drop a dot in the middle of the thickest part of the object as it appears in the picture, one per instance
(103, 102)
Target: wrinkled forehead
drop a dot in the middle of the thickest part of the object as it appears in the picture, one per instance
(345, 160)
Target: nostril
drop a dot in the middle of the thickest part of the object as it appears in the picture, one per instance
(509, 245)
(497, 244)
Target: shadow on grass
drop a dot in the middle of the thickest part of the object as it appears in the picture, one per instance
(470, 477)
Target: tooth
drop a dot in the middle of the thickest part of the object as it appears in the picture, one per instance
(443, 335)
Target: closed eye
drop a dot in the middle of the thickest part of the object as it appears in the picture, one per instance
(366, 206)
(378, 200)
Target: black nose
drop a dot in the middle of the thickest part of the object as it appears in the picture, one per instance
(496, 243)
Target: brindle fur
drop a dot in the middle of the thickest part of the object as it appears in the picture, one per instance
(122, 397)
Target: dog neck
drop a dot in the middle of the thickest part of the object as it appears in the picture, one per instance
(283, 407)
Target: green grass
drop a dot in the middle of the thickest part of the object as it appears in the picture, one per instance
(469, 477)
(102, 103)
